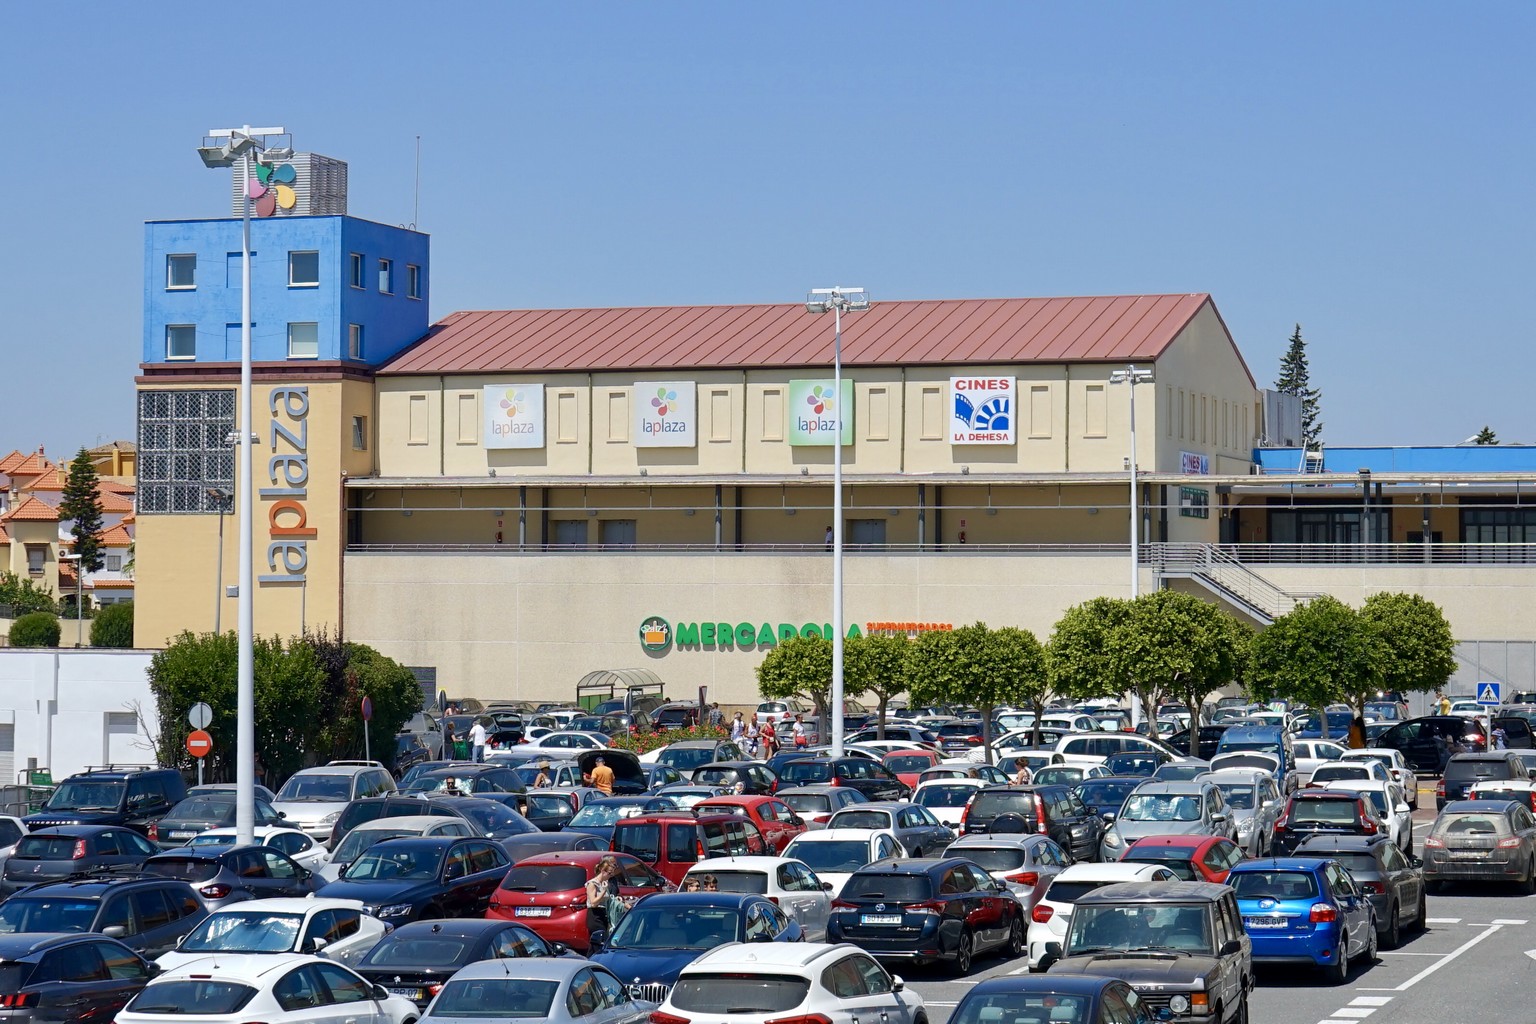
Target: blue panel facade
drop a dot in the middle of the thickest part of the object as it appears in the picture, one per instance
(211, 304)
(1463, 458)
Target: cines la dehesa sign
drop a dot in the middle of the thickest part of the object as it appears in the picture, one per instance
(657, 635)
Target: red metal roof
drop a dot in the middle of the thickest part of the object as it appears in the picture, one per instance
(970, 331)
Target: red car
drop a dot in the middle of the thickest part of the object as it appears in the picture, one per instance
(548, 893)
(775, 819)
(907, 765)
(1194, 858)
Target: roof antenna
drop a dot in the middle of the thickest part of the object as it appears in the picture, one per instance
(416, 203)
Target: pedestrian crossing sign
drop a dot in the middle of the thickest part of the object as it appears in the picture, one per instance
(1488, 693)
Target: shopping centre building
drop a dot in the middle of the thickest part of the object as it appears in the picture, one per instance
(509, 500)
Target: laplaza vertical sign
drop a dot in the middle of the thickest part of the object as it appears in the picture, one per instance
(514, 415)
(814, 411)
(666, 414)
(982, 410)
(288, 473)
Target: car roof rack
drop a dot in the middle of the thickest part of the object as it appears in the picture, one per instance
(354, 764)
(91, 769)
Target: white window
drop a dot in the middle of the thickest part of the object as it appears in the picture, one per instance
(180, 271)
(355, 272)
(387, 276)
(412, 281)
(303, 269)
(354, 341)
(114, 563)
(303, 341)
(181, 341)
(359, 433)
(37, 556)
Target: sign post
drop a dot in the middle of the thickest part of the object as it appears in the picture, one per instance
(367, 717)
(198, 717)
(199, 745)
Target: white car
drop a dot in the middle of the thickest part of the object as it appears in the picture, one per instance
(300, 847)
(1523, 790)
(1086, 749)
(1396, 766)
(11, 831)
(836, 853)
(1313, 754)
(1468, 708)
(568, 739)
(1346, 769)
(356, 842)
(838, 984)
(1048, 921)
(335, 929)
(1391, 806)
(285, 988)
(786, 881)
(946, 798)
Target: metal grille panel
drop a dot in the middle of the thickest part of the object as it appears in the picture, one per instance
(184, 450)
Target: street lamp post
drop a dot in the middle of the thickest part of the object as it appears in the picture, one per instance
(222, 495)
(1133, 375)
(840, 300)
(237, 145)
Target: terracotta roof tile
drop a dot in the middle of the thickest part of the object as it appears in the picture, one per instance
(115, 487)
(12, 460)
(951, 331)
(115, 537)
(67, 575)
(49, 480)
(33, 465)
(5, 538)
(130, 518)
(32, 510)
(111, 501)
(111, 584)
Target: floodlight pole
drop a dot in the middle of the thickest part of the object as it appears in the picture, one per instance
(1131, 376)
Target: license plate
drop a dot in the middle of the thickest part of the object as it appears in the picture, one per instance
(1468, 854)
(1264, 922)
(880, 919)
(531, 912)
(181, 835)
(409, 993)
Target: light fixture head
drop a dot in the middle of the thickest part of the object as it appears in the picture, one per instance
(789, 511)
(965, 470)
(216, 156)
(687, 511)
(591, 512)
(1132, 375)
(849, 300)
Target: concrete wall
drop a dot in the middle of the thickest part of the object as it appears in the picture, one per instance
(58, 703)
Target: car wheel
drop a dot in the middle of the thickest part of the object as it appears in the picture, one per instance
(1015, 946)
(1529, 887)
(1337, 973)
(1371, 946)
(1433, 886)
(1422, 922)
(962, 964)
(1393, 936)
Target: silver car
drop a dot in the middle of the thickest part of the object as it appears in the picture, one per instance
(1025, 863)
(1195, 808)
(556, 991)
(1254, 801)
(914, 825)
(313, 798)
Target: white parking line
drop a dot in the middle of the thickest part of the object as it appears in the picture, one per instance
(1370, 1001)
(1452, 955)
(1355, 1012)
(1442, 920)
(1501, 920)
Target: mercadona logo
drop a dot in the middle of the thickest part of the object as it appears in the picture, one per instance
(655, 634)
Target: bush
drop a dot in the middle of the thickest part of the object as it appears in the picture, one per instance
(112, 626)
(645, 742)
(37, 629)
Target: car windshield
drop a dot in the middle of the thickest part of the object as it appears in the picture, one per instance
(418, 950)
(908, 763)
(46, 915)
(1257, 746)
(1356, 863)
(1000, 1007)
(1240, 796)
(195, 997)
(1104, 795)
(549, 805)
(686, 759)
(944, 796)
(1467, 824)
(887, 887)
(86, 796)
(740, 881)
(542, 878)
(838, 856)
(1058, 775)
(992, 858)
(1161, 807)
(1315, 811)
(1174, 858)
(718, 776)
(1334, 772)
(1276, 885)
(187, 869)
(657, 926)
(244, 931)
(740, 993)
(1470, 769)
(395, 861)
(687, 799)
(359, 840)
(808, 803)
(991, 803)
(1069, 891)
(1139, 926)
(322, 788)
(494, 817)
(603, 815)
(501, 998)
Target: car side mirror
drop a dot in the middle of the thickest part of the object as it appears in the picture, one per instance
(598, 940)
(1053, 949)
(1109, 817)
(1415, 861)
(154, 969)
(114, 931)
(1219, 818)
(897, 984)
(380, 992)
(1231, 947)
(282, 814)
(826, 886)
(316, 944)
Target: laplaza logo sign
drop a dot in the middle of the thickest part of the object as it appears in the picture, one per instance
(983, 410)
(814, 412)
(666, 414)
(288, 471)
(514, 415)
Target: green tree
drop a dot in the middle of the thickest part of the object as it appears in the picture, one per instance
(35, 629)
(978, 666)
(1083, 657)
(1486, 436)
(1418, 652)
(113, 626)
(82, 504)
(1296, 379)
(21, 595)
(800, 667)
(876, 665)
(1310, 652)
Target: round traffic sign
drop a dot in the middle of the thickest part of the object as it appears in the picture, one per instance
(199, 743)
(199, 715)
(367, 709)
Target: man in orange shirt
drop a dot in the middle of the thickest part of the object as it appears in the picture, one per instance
(602, 777)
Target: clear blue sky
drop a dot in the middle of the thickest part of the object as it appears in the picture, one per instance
(1363, 169)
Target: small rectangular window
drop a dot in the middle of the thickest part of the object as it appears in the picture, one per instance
(359, 433)
(181, 341)
(878, 423)
(931, 410)
(571, 532)
(773, 414)
(412, 281)
(1096, 415)
(616, 533)
(1040, 422)
(37, 556)
(181, 271)
(114, 563)
(303, 341)
(303, 269)
(355, 271)
(354, 341)
(417, 420)
(469, 418)
(387, 276)
(719, 414)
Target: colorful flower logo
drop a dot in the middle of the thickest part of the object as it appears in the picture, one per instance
(512, 401)
(665, 399)
(820, 400)
(271, 189)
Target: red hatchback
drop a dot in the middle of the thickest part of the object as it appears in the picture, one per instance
(1193, 858)
(775, 819)
(907, 765)
(548, 893)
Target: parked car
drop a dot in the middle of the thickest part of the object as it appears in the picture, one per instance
(1305, 910)
(673, 841)
(1113, 926)
(1136, 762)
(1392, 880)
(1387, 802)
(1478, 840)
(835, 854)
(788, 883)
(11, 831)
(903, 733)
(1426, 743)
(1088, 1000)
(944, 910)
(1207, 740)
(1026, 864)
(1195, 858)
(313, 798)
(467, 780)
(1049, 810)
(68, 979)
(1253, 800)
(285, 988)
(870, 778)
(658, 776)
(913, 825)
(229, 874)
(750, 984)
(946, 799)
(520, 848)
(199, 814)
(750, 776)
(1050, 916)
(1464, 770)
(1156, 808)
(417, 959)
(1068, 774)
(403, 880)
(907, 765)
(1273, 740)
(1105, 797)
(550, 810)
(1093, 748)
(72, 851)
(1181, 771)
(134, 797)
(335, 929)
(557, 990)
(304, 850)
(1396, 767)
(362, 838)
(1346, 770)
(149, 915)
(548, 893)
(1311, 812)
(953, 769)
(775, 819)
(687, 755)
(816, 804)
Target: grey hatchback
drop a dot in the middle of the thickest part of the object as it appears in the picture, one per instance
(229, 874)
(72, 851)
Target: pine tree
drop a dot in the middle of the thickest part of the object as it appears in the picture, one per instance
(1486, 436)
(1296, 379)
(83, 504)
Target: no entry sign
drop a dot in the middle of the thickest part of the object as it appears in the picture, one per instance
(199, 743)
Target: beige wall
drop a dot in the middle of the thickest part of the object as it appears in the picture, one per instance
(1202, 401)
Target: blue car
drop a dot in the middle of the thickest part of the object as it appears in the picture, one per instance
(665, 932)
(1305, 910)
(597, 817)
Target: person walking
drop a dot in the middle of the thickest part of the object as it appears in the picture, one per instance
(738, 728)
(477, 740)
(770, 740)
(448, 747)
(753, 734)
(1443, 702)
(716, 719)
(798, 732)
(828, 539)
(602, 777)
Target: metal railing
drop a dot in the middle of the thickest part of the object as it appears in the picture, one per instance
(1122, 550)
(1384, 554)
(1221, 570)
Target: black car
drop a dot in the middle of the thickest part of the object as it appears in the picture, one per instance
(149, 915)
(540, 843)
(550, 809)
(410, 750)
(659, 775)
(754, 778)
(136, 797)
(203, 812)
(493, 814)
(229, 874)
(1310, 812)
(959, 737)
(73, 851)
(416, 959)
(1427, 743)
(1089, 1000)
(1105, 797)
(1055, 811)
(946, 910)
(871, 778)
(408, 879)
(372, 808)
(687, 755)
(468, 780)
(1206, 743)
(1393, 881)
(1465, 770)
(68, 979)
